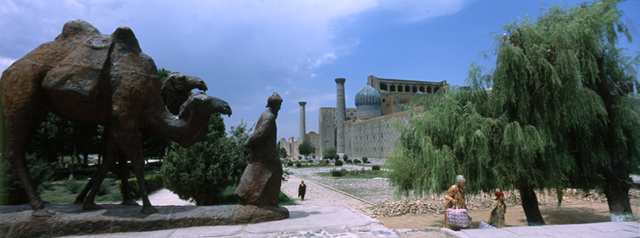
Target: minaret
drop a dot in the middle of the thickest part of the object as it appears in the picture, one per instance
(340, 115)
(302, 122)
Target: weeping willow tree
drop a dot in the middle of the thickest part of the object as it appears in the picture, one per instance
(559, 115)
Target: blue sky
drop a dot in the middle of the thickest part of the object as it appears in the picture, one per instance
(245, 50)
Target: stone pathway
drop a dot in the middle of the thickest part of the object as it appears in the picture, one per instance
(164, 197)
(319, 194)
(329, 212)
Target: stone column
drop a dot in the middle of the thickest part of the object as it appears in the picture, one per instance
(340, 115)
(302, 122)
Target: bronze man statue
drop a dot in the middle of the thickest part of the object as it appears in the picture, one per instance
(260, 182)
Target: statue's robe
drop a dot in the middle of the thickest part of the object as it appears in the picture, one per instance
(261, 180)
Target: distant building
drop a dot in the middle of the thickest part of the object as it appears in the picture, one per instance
(364, 131)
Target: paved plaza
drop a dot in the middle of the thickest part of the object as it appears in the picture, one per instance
(328, 212)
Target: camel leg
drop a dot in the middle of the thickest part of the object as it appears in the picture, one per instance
(87, 188)
(107, 159)
(24, 110)
(89, 203)
(123, 174)
(130, 145)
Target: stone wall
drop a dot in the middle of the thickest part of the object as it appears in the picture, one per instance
(327, 127)
(374, 138)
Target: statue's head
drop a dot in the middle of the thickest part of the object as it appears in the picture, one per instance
(274, 101)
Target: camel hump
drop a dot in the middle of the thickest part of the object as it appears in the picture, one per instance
(77, 29)
(124, 35)
(79, 73)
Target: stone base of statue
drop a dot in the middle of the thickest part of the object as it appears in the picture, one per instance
(255, 214)
(17, 221)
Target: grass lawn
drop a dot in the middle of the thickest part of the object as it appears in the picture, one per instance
(362, 173)
(65, 192)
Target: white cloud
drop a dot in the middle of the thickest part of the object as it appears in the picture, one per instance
(238, 47)
(411, 11)
(5, 63)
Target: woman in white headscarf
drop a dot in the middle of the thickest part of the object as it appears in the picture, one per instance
(455, 196)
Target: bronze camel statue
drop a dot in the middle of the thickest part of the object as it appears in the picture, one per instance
(106, 79)
(175, 91)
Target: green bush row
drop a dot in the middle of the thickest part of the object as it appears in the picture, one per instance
(153, 182)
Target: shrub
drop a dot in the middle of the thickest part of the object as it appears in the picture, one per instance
(348, 161)
(375, 167)
(11, 191)
(72, 186)
(104, 187)
(289, 164)
(78, 172)
(345, 157)
(153, 182)
(338, 163)
(298, 164)
(336, 173)
(329, 153)
(356, 161)
(202, 171)
(365, 160)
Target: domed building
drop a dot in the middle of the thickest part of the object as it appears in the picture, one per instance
(368, 103)
(365, 131)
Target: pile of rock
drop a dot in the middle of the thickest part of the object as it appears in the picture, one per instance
(399, 208)
(434, 204)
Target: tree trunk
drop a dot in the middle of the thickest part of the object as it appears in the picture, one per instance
(617, 173)
(530, 205)
(560, 194)
(85, 158)
(617, 192)
(73, 156)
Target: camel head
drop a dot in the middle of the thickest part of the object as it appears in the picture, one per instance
(176, 88)
(198, 109)
(181, 83)
(205, 104)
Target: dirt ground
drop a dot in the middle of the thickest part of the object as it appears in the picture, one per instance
(571, 212)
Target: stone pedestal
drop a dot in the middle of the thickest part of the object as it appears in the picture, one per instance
(16, 221)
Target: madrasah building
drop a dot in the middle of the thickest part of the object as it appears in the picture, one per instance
(367, 130)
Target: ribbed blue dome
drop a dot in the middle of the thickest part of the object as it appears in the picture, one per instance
(368, 96)
(368, 103)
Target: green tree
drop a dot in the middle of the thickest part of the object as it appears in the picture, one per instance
(306, 148)
(282, 152)
(612, 75)
(330, 153)
(201, 172)
(163, 74)
(548, 123)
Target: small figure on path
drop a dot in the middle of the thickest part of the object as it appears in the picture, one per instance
(302, 189)
(261, 180)
(498, 210)
(455, 197)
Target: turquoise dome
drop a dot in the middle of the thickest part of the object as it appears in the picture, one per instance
(368, 103)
